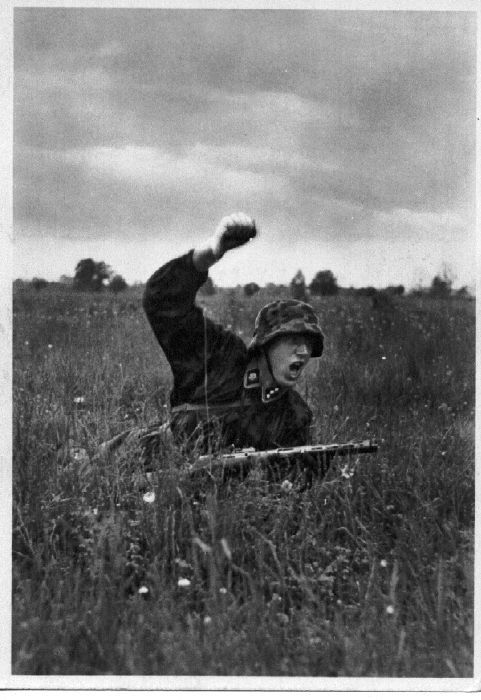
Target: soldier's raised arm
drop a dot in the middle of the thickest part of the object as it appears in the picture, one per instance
(179, 324)
(232, 232)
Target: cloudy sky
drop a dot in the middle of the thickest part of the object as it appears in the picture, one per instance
(348, 136)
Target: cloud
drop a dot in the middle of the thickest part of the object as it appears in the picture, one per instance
(138, 187)
(317, 122)
(199, 169)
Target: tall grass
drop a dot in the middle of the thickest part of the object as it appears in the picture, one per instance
(368, 573)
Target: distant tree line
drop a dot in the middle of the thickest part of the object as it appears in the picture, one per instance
(89, 276)
(324, 283)
(96, 276)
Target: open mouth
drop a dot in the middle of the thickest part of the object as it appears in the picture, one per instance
(296, 367)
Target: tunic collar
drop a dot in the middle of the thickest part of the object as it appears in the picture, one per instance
(252, 380)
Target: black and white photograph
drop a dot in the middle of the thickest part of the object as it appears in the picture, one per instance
(243, 349)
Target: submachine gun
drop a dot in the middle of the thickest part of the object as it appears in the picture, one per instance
(316, 458)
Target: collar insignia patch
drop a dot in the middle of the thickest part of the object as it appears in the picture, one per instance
(270, 394)
(251, 378)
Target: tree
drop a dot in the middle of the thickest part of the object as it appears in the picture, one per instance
(462, 293)
(39, 283)
(324, 284)
(90, 275)
(396, 291)
(117, 284)
(250, 289)
(298, 287)
(440, 287)
(366, 291)
(442, 284)
(208, 288)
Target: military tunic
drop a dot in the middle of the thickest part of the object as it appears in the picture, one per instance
(217, 400)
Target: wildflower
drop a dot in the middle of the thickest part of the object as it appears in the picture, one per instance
(143, 590)
(149, 497)
(383, 563)
(26, 342)
(79, 399)
(346, 472)
(50, 346)
(286, 485)
(384, 357)
(223, 590)
(78, 453)
(183, 583)
(95, 511)
(207, 620)
(390, 610)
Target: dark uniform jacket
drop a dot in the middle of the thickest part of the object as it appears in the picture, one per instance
(216, 400)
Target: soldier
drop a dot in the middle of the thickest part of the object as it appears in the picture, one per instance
(224, 393)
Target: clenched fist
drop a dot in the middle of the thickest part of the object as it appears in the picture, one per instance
(233, 231)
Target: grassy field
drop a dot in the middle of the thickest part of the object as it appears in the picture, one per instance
(368, 573)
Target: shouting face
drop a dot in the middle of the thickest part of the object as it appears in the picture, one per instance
(289, 354)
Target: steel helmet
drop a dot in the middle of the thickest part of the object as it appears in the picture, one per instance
(287, 317)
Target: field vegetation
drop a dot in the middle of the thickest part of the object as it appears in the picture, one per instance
(368, 573)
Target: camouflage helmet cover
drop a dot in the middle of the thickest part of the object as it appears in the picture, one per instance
(286, 317)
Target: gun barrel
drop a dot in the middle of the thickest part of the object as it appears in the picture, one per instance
(364, 447)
